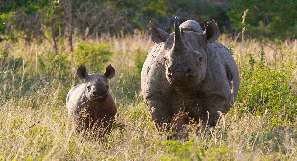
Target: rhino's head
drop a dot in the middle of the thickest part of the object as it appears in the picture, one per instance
(185, 53)
(96, 85)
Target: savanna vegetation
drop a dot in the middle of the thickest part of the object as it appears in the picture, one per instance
(42, 43)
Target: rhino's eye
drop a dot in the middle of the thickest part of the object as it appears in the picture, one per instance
(199, 57)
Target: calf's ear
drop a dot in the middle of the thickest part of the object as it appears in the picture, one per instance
(81, 72)
(158, 35)
(109, 72)
(212, 31)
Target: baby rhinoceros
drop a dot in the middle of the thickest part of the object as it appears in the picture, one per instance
(90, 105)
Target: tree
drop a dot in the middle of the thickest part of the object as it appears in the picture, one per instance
(68, 22)
(265, 17)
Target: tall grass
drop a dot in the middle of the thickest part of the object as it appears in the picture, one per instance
(33, 117)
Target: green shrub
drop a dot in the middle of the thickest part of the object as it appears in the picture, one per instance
(189, 150)
(12, 75)
(8, 62)
(293, 83)
(55, 65)
(127, 87)
(265, 17)
(93, 55)
(139, 60)
(128, 81)
(182, 150)
(266, 90)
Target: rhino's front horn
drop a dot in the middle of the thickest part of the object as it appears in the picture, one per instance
(178, 44)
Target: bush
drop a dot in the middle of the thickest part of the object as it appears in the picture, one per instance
(93, 17)
(265, 18)
(189, 150)
(139, 60)
(93, 55)
(266, 90)
(293, 83)
(54, 65)
(8, 62)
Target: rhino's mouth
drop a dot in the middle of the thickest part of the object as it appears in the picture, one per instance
(99, 98)
(180, 77)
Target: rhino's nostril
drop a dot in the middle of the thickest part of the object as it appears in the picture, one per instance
(169, 75)
(170, 69)
(89, 88)
(94, 93)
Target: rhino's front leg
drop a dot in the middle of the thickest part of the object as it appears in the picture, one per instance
(160, 112)
(215, 106)
(179, 126)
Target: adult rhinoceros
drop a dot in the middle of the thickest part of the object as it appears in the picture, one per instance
(188, 72)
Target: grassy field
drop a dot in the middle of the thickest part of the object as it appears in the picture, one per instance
(262, 125)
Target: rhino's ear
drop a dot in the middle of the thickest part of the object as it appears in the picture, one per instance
(158, 35)
(212, 31)
(109, 72)
(81, 72)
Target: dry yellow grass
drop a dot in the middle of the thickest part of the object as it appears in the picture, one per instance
(34, 126)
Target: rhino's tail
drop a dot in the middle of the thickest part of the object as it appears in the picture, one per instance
(233, 77)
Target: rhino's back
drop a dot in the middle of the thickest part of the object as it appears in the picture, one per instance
(228, 62)
(75, 97)
(222, 53)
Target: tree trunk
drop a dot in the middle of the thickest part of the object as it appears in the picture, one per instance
(67, 7)
(54, 31)
(54, 38)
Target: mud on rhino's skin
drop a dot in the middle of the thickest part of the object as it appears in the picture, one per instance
(90, 105)
(188, 71)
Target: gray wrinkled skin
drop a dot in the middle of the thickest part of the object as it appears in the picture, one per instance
(188, 72)
(89, 104)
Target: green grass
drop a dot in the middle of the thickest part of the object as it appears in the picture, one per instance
(33, 117)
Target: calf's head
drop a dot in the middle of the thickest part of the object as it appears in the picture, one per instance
(185, 53)
(96, 85)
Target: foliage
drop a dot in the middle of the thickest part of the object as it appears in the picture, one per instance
(93, 55)
(266, 90)
(26, 17)
(34, 123)
(54, 65)
(90, 18)
(8, 62)
(9, 67)
(139, 60)
(93, 17)
(265, 17)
